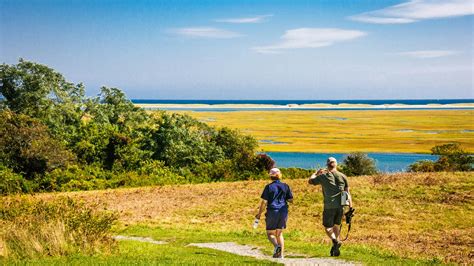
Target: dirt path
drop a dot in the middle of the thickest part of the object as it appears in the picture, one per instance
(245, 250)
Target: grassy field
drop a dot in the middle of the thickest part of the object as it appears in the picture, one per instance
(136, 253)
(400, 218)
(346, 131)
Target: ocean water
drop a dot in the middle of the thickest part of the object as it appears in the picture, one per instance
(282, 105)
(385, 162)
(286, 102)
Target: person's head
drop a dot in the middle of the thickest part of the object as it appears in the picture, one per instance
(331, 163)
(275, 174)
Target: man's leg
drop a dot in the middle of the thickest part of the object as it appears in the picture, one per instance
(281, 241)
(337, 231)
(330, 232)
(272, 237)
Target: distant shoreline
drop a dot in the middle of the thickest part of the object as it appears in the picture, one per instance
(322, 106)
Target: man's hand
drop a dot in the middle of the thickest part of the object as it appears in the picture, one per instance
(321, 171)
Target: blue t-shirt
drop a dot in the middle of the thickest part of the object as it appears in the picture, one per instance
(277, 194)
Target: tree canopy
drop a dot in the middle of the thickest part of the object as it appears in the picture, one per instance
(49, 127)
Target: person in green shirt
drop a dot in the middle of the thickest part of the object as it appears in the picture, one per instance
(333, 183)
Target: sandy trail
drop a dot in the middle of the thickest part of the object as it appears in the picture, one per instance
(245, 250)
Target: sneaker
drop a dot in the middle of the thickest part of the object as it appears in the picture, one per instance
(277, 252)
(335, 248)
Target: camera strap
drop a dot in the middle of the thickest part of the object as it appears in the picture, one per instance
(348, 215)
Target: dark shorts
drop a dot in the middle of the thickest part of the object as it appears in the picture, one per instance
(332, 217)
(276, 219)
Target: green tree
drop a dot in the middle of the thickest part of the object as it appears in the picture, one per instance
(117, 133)
(358, 163)
(27, 147)
(182, 141)
(239, 148)
(40, 92)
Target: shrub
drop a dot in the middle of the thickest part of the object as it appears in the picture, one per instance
(12, 183)
(451, 158)
(264, 162)
(422, 166)
(151, 173)
(296, 173)
(75, 177)
(358, 163)
(34, 228)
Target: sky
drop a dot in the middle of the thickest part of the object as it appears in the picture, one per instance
(308, 50)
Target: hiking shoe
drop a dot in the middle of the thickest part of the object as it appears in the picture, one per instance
(332, 251)
(335, 247)
(277, 252)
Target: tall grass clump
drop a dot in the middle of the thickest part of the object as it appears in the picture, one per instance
(32, 228)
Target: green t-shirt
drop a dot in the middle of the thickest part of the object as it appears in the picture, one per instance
(332, 183)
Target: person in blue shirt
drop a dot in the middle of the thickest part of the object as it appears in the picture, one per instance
(275, 197)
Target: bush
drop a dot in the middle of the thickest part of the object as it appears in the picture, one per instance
(12, 183)
(358, 163)
(296, 173)
(265, 162)
(451, 158)
(422, 166)
(152, 173)
(34, 228)
(75, 177)
(91, 177)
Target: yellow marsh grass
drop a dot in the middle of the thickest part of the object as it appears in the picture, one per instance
(347, 131)
(418, 215)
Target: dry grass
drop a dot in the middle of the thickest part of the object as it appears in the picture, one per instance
(33, 228)
(427, 215)
(347, 131)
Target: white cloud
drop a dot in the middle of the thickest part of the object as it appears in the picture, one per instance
(310, 38)
(416, 10)
(256, 19)
(206, 32)
(429, 53)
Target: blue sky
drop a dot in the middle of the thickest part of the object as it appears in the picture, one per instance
(249, 49)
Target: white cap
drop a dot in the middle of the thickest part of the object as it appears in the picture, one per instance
(331, 159)
(274, 171)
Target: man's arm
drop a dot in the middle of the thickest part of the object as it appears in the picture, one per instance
(314, 180)
(289, 195)
(261, 207)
